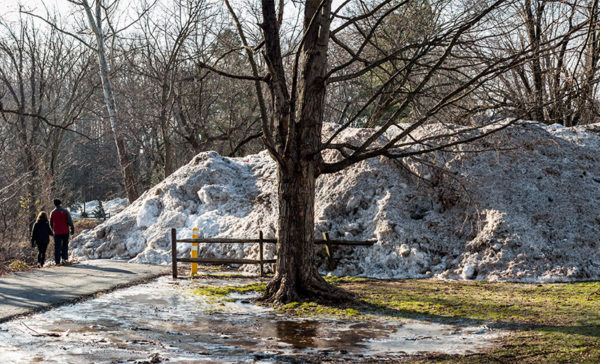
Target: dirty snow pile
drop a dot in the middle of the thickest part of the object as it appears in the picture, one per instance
(520, 205)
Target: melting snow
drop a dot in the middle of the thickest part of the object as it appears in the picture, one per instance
(525, 209)
(156, 320)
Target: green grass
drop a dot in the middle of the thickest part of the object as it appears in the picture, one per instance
(548, 323)
(313, 309)
(505, 303)
(222, 291)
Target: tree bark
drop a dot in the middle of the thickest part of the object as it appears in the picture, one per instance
(534, 29)
(167, 150)
(299, 157)
(33, 187)
(297, 277)
(126, 168)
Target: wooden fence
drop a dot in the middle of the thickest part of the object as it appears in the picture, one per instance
(260, 241)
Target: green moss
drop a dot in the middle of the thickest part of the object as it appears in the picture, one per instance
(224, 275)
(342, 280)
(315, 309)
(221, 291)
(351, 312)
(290, 306)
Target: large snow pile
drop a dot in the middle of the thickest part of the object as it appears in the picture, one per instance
(521, 205)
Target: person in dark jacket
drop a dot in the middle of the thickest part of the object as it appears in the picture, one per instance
(40, 236)
(61, 222)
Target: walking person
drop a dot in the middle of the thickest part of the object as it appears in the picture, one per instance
(61, 222)
(40, 236)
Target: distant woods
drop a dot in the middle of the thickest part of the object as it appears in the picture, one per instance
(188, 76)
(57, 138)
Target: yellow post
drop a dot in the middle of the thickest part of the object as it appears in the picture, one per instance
(194, 251)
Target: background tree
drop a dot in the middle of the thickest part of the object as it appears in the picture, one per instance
(161, 52)
(97, 20)
(44, 90)
(558, 83)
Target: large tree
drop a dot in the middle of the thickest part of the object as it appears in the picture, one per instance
(413, 75)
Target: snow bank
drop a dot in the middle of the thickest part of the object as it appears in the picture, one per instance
(111, 207)
(525, 209)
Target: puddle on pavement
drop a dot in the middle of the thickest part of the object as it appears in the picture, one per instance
(159, 320)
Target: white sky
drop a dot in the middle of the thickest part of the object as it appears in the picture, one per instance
(11, 6)
(9, 9)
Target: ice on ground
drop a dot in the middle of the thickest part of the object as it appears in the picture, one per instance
(155, 322)
(524, 209)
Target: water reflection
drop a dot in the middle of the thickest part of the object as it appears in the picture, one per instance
(300, 334)
(160, 319)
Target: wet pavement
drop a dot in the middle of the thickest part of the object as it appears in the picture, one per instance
(162, 321)
(40, 289)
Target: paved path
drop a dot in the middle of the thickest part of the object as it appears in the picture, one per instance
(40, 289)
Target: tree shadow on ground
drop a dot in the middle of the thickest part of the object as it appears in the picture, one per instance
(104, 269)
(592, 331)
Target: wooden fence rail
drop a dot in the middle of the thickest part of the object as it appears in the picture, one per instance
(260, 241)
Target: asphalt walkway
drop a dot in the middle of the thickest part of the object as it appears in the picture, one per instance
(36, 290)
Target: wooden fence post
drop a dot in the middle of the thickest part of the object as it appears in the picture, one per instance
(329, 251)
(174, 251)
(260, 248)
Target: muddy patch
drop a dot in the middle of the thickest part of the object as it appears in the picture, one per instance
(159, 321)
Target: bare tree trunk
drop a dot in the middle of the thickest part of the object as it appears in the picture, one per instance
(297, 277)
(294, 268)
(168, 167)
(586, 108)
(33, 187)
(299, 160)
(533, 23)
(126, 168)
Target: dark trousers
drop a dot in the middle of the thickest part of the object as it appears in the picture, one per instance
(61, 247)
(42, 253)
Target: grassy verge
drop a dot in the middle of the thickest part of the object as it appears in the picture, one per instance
(16, 256)
(549, 323)
(85, 224)
(14, 265)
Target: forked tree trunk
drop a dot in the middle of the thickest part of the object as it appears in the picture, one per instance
(298, 139)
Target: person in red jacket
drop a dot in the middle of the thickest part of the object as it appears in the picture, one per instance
(62, 224)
